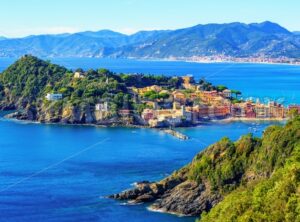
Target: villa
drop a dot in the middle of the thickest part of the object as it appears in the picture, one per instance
(79, 75)
(54, 96)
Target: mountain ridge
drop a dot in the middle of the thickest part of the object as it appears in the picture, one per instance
(235, 39)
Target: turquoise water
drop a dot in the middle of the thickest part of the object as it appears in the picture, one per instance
(63, 173)
(267, 82)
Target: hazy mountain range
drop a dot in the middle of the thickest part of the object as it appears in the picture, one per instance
(233, 39)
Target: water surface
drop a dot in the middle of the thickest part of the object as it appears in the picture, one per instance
(62, 173)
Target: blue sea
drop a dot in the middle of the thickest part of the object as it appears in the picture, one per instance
(63, 173)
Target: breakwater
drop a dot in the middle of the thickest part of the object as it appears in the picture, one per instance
(176, 134)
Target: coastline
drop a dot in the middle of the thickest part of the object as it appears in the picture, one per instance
(153, 209)
(178, 60)
(209, 62)
(237, 119)
(115, 125)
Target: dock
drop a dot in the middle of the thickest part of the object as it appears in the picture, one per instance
(176, 134)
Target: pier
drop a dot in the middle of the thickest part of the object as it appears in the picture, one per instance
(176, 134)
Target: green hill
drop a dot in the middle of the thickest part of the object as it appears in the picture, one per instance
(25, 84)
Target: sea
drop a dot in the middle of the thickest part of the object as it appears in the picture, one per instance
(64, 173)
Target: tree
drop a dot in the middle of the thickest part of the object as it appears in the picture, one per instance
(293, 113)
(236, 92)
(221, 88)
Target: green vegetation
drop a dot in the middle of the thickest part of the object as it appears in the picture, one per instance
(221, 88)
(259, 178)
(29, 76)
(152, 95)
(28, 81)
(140, 80)
(236, 93)
(206, 86)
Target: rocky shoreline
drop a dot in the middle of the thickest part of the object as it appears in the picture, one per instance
(175, 195)
(118, 122)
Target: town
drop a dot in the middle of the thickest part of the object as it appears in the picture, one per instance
(189, 104)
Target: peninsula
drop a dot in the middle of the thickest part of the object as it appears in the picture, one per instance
(40, 91)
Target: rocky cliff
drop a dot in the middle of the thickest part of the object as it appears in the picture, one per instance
(229, 168)
(72, 115)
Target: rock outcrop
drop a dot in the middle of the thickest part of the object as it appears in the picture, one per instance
(172, 196)
(176, 194)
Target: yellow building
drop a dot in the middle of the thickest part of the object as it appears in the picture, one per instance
(188, 82)
(141, 91)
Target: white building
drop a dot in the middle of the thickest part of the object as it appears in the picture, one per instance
(227, 93)
(78, 75)
(54, 96)
(102, 107)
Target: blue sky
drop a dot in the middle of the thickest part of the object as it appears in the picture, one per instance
(25, 17)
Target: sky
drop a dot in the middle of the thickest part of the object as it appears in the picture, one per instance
(20, 18)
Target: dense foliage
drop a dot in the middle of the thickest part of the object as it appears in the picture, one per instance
(28, 77)
(260, 178)
(140, 81)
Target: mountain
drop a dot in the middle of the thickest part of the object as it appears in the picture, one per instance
(297, 33)
(251, 179)
(2, 38)
(234, 39)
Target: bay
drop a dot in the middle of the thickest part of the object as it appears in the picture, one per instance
(63, 173)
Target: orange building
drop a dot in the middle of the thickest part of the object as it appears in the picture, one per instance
(276, 110)
(220, 111)
(209, 96)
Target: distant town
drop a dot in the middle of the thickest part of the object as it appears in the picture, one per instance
(253, 59)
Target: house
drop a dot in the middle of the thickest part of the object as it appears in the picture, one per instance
(209, 96)
(101, 111)
(276, 110)
(220, 111)
(248, 110)
(54, 96)
(179, 97)
(78, 75)
(176, 105)
(169, 117)
(227, 93)
(103, 107)
(262, 111)
(148, 114)
(198, 112)
(188, 82)
(237, 110)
